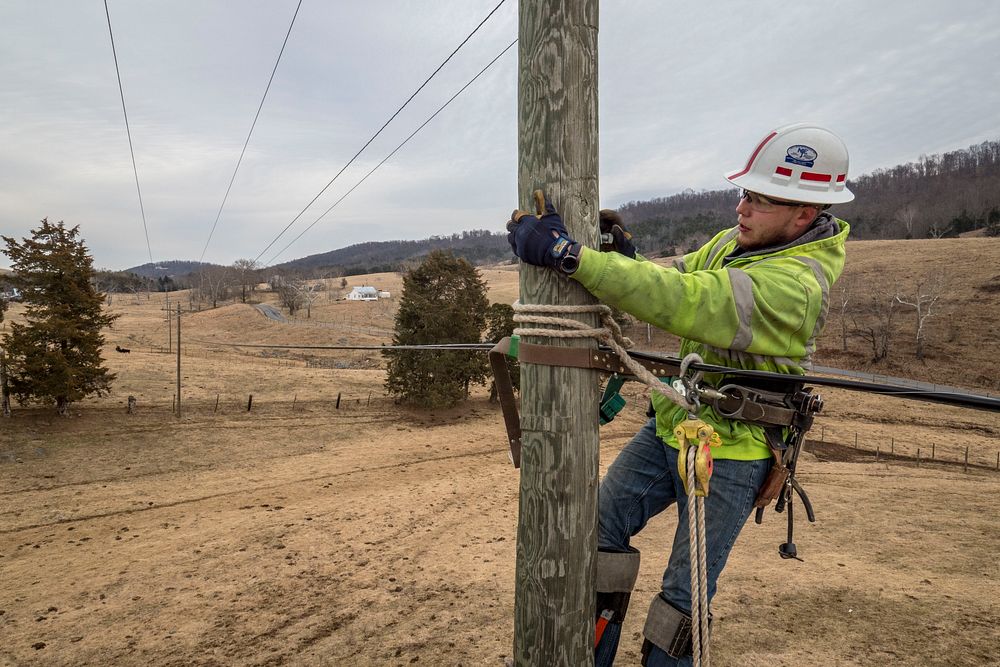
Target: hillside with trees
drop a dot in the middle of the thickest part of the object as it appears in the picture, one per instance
(477, 247)
(938, 196)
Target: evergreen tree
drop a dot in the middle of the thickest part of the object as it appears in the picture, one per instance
(55, 355)
(443, 301)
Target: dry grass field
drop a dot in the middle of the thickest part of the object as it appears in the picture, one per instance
(300, 533)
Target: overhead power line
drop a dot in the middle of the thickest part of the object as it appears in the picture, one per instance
(394, 151)
(252, 126)
(374, 136)
(128, 132)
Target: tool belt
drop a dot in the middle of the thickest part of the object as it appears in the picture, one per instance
(732, 401)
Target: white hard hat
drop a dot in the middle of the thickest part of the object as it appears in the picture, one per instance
(801, 162)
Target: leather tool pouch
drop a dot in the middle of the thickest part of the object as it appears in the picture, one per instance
(772, 486)
(775, 482)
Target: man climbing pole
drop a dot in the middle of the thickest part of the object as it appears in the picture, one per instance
(754, 297)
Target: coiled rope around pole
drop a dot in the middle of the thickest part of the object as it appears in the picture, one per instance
(610, 334)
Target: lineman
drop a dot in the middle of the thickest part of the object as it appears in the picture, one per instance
(754, 297)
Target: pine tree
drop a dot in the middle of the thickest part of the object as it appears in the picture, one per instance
(55, 355)
(443, 301)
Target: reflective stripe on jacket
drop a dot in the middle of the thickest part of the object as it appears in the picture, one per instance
(755, 311)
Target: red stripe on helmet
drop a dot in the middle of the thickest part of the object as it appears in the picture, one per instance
(841, 178)
(812, 176)
(783, 171)
(753, 156)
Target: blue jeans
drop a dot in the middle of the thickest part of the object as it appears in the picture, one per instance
(642, 482)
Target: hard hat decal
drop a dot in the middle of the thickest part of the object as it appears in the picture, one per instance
(782, 174)
(801, 155)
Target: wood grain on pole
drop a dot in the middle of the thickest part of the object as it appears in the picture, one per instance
(557, 523)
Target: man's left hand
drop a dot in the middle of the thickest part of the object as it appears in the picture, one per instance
(540, 239)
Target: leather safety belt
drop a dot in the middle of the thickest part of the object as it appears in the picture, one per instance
(737, 402)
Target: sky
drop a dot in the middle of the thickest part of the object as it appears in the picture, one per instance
(686, 90)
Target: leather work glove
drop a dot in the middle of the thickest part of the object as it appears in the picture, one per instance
(541, 238)
(614, 236)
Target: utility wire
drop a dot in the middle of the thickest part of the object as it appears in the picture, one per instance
(252, 126)
(394, 151)
(374, 136)
(431, 346)
(135, 170)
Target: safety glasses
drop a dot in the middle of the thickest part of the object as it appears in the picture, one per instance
(762, 204)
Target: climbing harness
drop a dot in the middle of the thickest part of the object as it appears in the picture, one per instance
(779, 403)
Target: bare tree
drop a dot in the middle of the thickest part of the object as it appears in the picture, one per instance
(939, 230)
(246, 275)
(290, 295)
(214, 283)
(873, 322)
(907, 216)
(310, 292)
(843, 298)
(926, 293)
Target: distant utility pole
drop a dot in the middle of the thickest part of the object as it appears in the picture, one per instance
(170, 343)
(178, 360)
(557, 526)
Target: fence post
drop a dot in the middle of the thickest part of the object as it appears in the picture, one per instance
(369, 399)
(249, 402)
(216, 404)
(965, 467)
(933, 446)
(294, 398)
(338, 401)
(892, 445)
(918, 457)
(876, 453)
(855, 441)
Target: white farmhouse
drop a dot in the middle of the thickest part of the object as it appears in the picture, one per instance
(363, 293)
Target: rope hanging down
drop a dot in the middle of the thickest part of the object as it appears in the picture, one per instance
(610, 334)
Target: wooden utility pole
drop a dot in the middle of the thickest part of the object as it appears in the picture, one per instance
(557, 524)
(170, 336)
(178, 360)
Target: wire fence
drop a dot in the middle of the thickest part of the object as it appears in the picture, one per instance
(851, 445)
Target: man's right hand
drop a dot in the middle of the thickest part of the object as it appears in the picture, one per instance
(614, 236)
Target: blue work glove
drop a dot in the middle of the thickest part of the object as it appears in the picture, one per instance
(614, 236)
(540, 239)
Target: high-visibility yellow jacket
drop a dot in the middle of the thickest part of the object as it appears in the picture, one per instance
(756, 310)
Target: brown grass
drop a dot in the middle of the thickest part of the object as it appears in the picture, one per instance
(303, 534)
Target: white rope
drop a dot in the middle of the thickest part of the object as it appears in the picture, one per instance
(610, 334)
(703, 587)
(693, 547)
